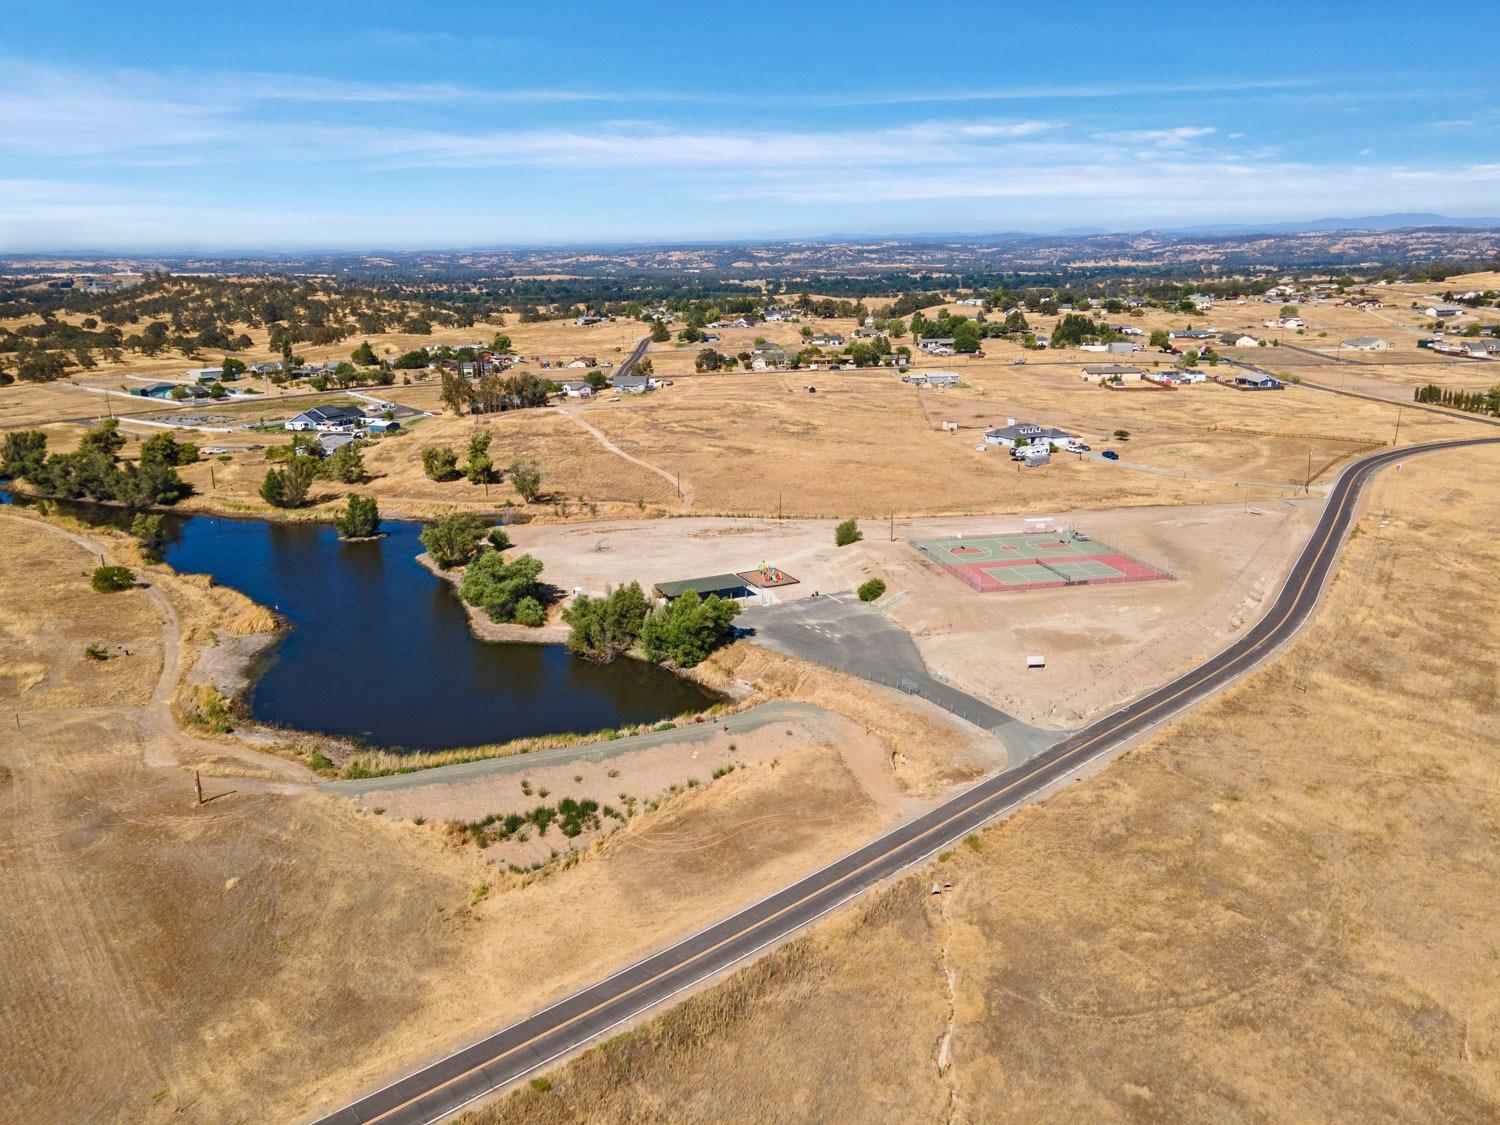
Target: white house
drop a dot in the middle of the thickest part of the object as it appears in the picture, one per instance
(1024, 433)
(577, 388)
(936, 345)
(827, 340)
(1366, 344)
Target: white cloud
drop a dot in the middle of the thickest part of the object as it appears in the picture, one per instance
(1162, 138)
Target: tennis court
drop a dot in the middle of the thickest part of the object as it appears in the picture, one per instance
(1034, 560)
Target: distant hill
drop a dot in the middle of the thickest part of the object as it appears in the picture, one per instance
(1400, 220)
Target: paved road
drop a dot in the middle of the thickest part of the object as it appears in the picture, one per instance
(840, 631)
(442, 1088)
(634, 357)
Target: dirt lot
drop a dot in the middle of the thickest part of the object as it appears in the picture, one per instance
(1280, 907)
(1103, 644)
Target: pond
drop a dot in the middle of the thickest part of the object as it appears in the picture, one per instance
(380, 649)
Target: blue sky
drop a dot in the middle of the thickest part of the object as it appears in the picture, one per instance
(330, 125)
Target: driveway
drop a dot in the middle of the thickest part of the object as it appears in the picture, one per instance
(841, 632)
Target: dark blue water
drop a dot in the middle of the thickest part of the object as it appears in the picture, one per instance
(380, 649)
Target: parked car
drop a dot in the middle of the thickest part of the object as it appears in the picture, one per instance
(1110, 455)
(1076, 447)
(1020, 361)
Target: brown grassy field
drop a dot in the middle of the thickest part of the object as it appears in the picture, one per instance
(864, 444)
(1280, 908)
(270, 952)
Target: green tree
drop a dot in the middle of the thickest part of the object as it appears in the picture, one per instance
(869, 591)
(26, 455)
(966, 337)
(149, 529)
(526, 476)
(530, 612)
(415, 360)
(603, 629)
(105, 438)
(287, 488)
(498, 587)
(346, 464)
(479, 468)
(440, 462)
(112, 579)
(597, 379)
(687, 628)
(500, 344)
(1015, 321)
(359, 519)
(660, 334)
(846, 533)
(233, 368)
(166, 449)
(364, 355)
(454, 539)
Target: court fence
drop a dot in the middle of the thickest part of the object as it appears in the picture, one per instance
(1058, 573)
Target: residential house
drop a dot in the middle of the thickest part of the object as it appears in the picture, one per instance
(781, 316)
(327, 419)
(154, 390)
(772, 355)
(1024, 433)
(1444, 312)
(1366, 344)
(331, 441)
(936, 345)
(827, 340)
(1123, 347)
(205, 374)
(584, 361)
(577, 388)
(384, 426)
(633, 384)
(1238, 340)
(1257, 382)
(1192, 334)
(1479, 349)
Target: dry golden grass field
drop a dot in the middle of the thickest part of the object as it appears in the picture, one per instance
(271, 951)
(1280, 908)
(864, 443)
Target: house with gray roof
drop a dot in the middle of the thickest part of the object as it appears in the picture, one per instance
(1025, 433)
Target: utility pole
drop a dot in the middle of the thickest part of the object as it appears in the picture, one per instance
(212, 484)
(1307, 487)
(198, 785)
(1397, 438)
(893, 525)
